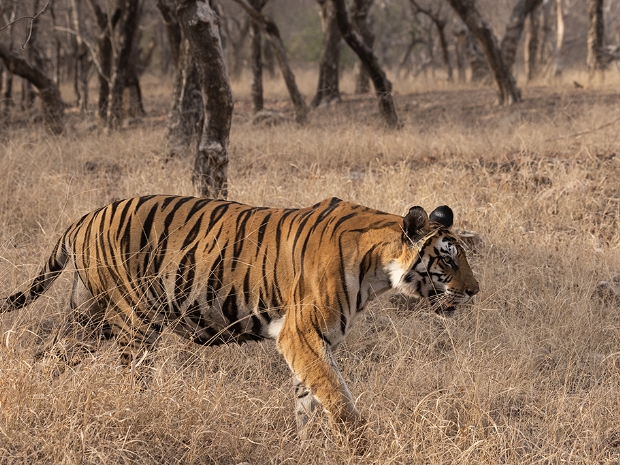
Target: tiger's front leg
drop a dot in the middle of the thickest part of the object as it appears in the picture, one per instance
(308, 354)
(305, 404)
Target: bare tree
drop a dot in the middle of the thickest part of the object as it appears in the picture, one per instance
(104, 54)
(532, 44)
(440, 25)
(51, 102)
(200, 26)
(34, 55)
(327, 91)
(596, 37)
(256, 59)
(82, 58)
(185, 116)
(514, 29)
(360, 10)
(383, 87)
(126, 29)
(507, 91)
(186, 113)
(236, 33)
(138, 62)
(32, 70)
(558, 66)
(546, 45)
(273, 35)
(173, 29)
(467, 47)
(7, 78)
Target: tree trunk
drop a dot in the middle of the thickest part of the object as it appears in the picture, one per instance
(522, 9)
(82, 58)
(237, 45)
(57, 47)
(273, 35)
(257, 61)
(328, 89)
(35, 57)
(51, 103)
(360, 10)
(507, 91)
(441, 25)
(545, 50)
(477, 62)
(258, 102)
(7, 95)
(268, 60)
(531, 45)
(127, 28)
(383, 87)
(596, 37)
(460, 51)
(185, 117)
(138, 62)
(200, 26)
(132, 83)
(173, 29)
(104, 55)
(558, 65)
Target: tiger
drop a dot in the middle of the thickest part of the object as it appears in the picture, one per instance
(217, 271)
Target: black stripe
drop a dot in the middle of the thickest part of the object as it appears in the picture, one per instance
(193, 233)
(185, 276)
(217, 213)
(147, 226)
(231, 311)
(247, 291)
(242, 220)
(123, 216)
(261, 232)
(214, 281)
(342, 220)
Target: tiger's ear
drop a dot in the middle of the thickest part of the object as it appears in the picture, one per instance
(443, 215)
(415, 223)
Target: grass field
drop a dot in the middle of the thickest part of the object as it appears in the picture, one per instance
(529, 373)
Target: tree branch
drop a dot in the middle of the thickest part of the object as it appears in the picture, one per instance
(31, 18)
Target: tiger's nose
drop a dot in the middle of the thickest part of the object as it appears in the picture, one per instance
(472, 291)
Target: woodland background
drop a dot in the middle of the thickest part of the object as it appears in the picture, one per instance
(528, 373)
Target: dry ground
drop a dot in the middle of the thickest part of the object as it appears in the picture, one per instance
(528, 373)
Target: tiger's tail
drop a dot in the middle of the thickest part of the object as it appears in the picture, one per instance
(54, 266)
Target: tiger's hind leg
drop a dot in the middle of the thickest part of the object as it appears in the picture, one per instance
(81, 330)
(137, 338)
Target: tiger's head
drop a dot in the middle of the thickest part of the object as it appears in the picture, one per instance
(433, 263)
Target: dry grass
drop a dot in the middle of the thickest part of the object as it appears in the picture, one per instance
(529, 373)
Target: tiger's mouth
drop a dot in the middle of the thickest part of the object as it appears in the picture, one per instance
(444, 303)
(446, 310)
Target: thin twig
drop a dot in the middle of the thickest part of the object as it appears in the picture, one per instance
(91, 49)
(579, 134)
(32, 19)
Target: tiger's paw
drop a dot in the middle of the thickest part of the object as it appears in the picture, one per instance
(353, 437)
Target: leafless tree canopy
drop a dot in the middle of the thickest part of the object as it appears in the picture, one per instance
(69, 44)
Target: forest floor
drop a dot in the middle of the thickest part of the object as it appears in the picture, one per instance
(529, 372)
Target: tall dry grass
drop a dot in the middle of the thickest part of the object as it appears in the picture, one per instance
(528, 373)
